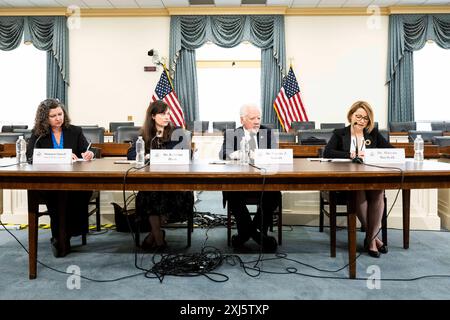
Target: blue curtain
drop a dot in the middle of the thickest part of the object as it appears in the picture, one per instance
(188, 33)
(46, 33)
(408, 33)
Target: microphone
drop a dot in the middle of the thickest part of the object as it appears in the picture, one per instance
(30, 160)
(357, 159)
(158, 133)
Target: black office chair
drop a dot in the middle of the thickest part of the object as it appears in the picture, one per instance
(221, 126)
(302, 125)
(126, 134)
(440, 126)
(197, 126)
(336, 125)
(286, 137)
(332, 199)
(256, 201)
(9, 137)
(269, 125)
(385, 134)
(25, 132)
(427, 136)
(94, 134)
(11, 128)
(314, 136)
(442, 141)
(402, 126)
(114, 125)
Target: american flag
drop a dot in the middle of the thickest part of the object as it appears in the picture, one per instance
(288, 103)
(164, 92)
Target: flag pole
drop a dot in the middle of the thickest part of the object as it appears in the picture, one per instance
(168, 76)
(279, 118)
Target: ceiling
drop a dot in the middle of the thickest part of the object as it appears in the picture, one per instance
(110, 4)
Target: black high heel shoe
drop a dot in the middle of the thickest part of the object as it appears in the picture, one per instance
(383, 249)
(374, 254)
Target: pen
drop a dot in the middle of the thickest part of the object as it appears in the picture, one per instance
(89, 145)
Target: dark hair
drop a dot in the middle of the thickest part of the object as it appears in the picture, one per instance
(41, 123)
(148, 130)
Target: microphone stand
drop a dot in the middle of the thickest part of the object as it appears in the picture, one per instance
(150, 147)
(30, 160)
(356, 159)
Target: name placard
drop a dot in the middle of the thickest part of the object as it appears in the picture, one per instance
(169, 156)
(389, 155)
(52, 156)
(273, 156)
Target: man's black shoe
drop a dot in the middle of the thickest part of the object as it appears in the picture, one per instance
(238, 240)
(268, 243)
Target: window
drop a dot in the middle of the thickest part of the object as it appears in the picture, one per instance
(431, 96)
(22, 83)
(227, 79)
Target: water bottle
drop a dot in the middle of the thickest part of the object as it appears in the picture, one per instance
(244, 149)
(21, 151)
(418, 148)
(140, 151)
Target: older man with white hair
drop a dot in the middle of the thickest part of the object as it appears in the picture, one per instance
(260, 137)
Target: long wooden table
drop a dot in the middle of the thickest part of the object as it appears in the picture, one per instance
(103, 174)
(111, 149)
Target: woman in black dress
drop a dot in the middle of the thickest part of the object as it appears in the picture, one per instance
(160, 206)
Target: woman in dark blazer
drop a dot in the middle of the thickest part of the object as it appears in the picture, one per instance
(351, 142)
(160, 207)
(52, 129)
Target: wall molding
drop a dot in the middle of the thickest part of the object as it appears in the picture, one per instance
(260, 10)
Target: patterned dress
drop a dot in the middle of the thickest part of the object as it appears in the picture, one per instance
(175, 205)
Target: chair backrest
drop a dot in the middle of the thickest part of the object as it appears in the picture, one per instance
(114, 125)
(223, 125)
(286, 137)
(402, 126)
(303, 125)
(314, 136)
(440, 125)
(11, 128)
(427, 136)
(335, 125)
(126, 134)
(269, 125)
(25, 132)
(9, 137)
(94, 134)
(385, 134)
(197, 126)
(89, 125)
(442, 141)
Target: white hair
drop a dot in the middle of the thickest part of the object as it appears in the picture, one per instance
(246, 107)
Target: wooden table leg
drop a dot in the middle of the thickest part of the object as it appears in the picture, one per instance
(406, 197)
(63, 237)
(33, 207)
(351, 226)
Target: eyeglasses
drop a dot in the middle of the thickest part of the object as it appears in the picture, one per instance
(360, 117)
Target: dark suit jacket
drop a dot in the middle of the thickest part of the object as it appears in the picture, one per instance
(73, 139)
(339, 144)
(266, 138)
